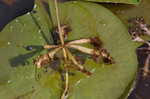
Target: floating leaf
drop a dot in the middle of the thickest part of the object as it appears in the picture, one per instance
(85, 20)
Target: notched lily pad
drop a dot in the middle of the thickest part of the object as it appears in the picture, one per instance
(106, 82)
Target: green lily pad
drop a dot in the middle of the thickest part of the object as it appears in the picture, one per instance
(17, 79)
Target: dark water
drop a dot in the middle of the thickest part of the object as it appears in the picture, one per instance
(20, 7)
(10, 11)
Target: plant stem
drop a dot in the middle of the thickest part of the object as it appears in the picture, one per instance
(59, 28)
(65, 93)
(74, 60)
(58, 23)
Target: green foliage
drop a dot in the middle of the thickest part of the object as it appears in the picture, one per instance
(86, 20)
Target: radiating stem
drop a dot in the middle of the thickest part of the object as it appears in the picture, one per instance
(81, 41)
(74, 60)
(50, 46)
(82, 49)
(53, 52)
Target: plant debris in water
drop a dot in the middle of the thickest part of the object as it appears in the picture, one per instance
(62, 50)
(76, 63)
(140, 28)
(70, 60)
(96, 53)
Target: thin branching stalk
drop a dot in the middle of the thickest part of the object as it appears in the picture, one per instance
(71, 57)
(65, 93)
(50, 46)
(53, 52)
(58, 23)
(81, 41)
(78, 66)
(82, 49)
(59, 28)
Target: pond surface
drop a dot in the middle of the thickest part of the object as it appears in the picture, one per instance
(124, 12)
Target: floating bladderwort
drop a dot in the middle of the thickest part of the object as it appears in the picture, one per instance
(69, 59)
